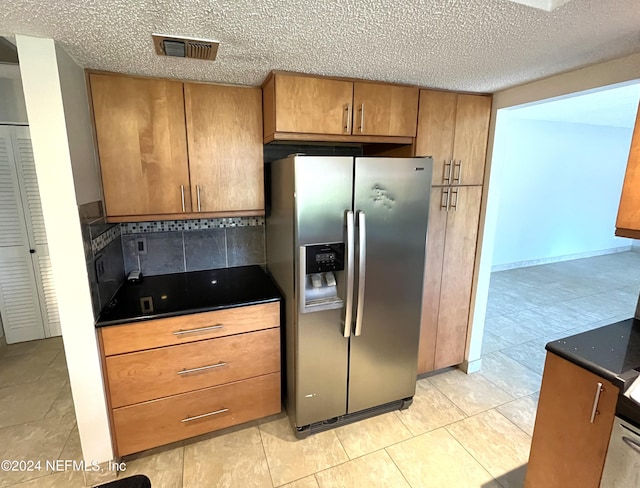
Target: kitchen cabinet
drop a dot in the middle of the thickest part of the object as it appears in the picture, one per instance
(172, 378)
(628, 222)
(453, 128)
(303, 107)
(224, 128)
(142, 145)
(452, 233)
(177, 150)
(575, 416)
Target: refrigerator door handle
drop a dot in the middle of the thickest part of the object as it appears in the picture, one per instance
(348, 309)
(362, 247)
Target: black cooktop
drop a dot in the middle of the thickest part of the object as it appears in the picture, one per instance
(183, 293)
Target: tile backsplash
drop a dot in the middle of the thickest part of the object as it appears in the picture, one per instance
(161, 252)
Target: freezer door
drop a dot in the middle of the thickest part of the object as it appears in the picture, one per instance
(391, 203)
(323, 189)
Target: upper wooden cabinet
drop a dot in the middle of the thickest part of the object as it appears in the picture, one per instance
(302, 107)
(142, 144)
(178, 150)
(454, 128)
(628, 223)
(224, 127)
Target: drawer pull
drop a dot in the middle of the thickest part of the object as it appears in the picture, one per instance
(189, 419)
(200, 329)
(202, 368)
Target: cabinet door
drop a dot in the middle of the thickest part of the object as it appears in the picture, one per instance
(436, 125)
(629, 210)
(313, 105)
(568, 449)
(224, 129)
(384, 110)
(470, 141)
(432, 279)
(142, 145)
(457, 275)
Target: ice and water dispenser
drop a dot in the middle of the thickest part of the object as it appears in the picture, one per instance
(321, 267)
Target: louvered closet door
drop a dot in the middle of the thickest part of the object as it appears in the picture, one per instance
(32, 208)
(19, 299)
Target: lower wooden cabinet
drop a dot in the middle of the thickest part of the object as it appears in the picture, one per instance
(451, 249)
(174, 378)
(149, 424)
(569, 441)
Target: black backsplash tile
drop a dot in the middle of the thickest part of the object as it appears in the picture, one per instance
(245, 246)
(165, 253)
(205, 249)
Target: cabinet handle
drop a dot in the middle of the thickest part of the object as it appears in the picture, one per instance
(459, 166)
(182, 193)
(202, 368)
(454, 206)
(200, 329)
(596, 400)
(362, 117)
(446, 173)
(189, 419)
(445, 191)
(347, 121)
(198, 196)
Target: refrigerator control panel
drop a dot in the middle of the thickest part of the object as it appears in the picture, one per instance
(325, 257)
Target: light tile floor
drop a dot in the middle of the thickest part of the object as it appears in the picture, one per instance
(463, 431)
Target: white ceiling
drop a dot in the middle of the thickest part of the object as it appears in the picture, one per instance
(474, 45)
(613, 107)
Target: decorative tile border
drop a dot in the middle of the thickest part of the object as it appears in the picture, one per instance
(181, 225)
(104, 239)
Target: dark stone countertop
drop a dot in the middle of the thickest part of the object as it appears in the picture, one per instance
(612, 352)
(185, 293)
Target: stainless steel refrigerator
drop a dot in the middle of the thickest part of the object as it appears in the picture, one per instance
(345, 242)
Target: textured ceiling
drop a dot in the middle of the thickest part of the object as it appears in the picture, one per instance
(474, 45)
(613, 107)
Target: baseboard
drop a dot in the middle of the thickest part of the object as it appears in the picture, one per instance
(471, 367)
(558, 259)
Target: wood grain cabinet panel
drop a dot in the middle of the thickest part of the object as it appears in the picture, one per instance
(454, 129)
(312, 105)
(384, 110)
(628, 222)
(224, 130)
(119, 339)
(150, 424)
(451, 250)
(568, 448)
(299, 107)
(141, 136)
(147, 375)
(163, 387)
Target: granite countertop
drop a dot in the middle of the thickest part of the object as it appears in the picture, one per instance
(612, 352)
(183, 293)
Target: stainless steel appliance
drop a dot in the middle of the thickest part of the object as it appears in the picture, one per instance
(622, 465)
(345, 243)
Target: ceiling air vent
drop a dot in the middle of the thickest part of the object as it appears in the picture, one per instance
(185, 47)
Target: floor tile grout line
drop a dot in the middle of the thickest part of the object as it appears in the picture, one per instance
(266, 458)
(470, 453)
(398, 467)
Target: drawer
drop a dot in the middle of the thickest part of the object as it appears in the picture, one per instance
(150, 424)
(140, 376)
(119, 339)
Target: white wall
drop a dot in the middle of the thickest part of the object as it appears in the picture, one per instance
(561, 184)
(78, 121)
(592, 77)
(47, 74)
(12, 108)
